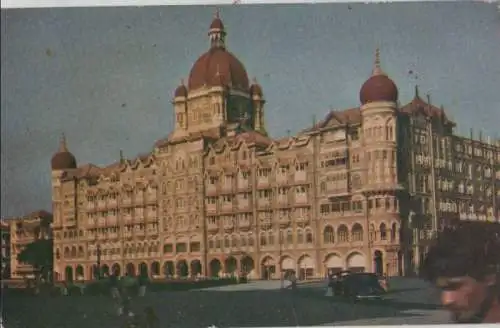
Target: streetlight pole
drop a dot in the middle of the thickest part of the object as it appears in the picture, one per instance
(98, 262)
(282, 275)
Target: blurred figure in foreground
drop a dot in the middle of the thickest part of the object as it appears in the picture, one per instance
(464, 263)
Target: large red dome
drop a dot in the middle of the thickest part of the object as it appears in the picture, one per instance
(63, 159)
(378, 88)
(218, 67)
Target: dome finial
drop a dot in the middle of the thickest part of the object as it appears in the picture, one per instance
(376, 68)
(63, 147)
(182, 81)
(216, 32)
(254, 80)
(217, 13)
(416, 91)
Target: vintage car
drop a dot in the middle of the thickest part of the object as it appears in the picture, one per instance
(360, 286)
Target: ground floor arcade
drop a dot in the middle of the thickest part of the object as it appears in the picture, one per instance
(270, 265)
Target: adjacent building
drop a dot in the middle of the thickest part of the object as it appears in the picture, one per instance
(365, 188)
(5, 234)
(23, 231)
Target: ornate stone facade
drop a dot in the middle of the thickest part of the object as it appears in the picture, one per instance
(361, 189)
(23, 231)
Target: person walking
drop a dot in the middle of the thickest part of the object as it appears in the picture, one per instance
(142, 281)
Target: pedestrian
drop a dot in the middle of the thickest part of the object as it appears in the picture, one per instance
(463, 263)
(113, 285)
(329, 286)
(142, 281)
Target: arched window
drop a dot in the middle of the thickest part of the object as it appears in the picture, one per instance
(383, 232)
(328, 235)
(342, 234)
(357, 232)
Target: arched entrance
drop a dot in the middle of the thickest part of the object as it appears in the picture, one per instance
(182, 268)
(169, 269)
(155, 268)
(105, 270)
(268, 267)
(306, 267)
(333, 263)
(378, 262)
(195, 268)
(68, 273)
(215, 268)
(130, 269)
(94, 272)
(287, 266)
(356, 262)
(231, 265)
(247, 264)
(143, 269)
(79, 272)
(116, 269)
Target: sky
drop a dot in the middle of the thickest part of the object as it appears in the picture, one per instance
(105, 76)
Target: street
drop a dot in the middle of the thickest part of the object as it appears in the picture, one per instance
(260, 303)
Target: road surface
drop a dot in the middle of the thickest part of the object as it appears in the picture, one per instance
(260, 303)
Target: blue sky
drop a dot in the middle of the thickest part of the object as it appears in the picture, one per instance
(105, 76)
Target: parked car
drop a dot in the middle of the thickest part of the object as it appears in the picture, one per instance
(361, 286)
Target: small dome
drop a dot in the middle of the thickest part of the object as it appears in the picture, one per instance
(255, 88)
(181, 91)
(379, 87)
(63, 159)
(217, 24)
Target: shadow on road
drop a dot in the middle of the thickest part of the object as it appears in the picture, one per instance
(304, 307)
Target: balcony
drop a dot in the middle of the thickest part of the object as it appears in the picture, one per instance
(228, 225)
(266, 222)
(243, 184)
(282, 201)
(300, 176)
(302, 219)
(211, 189)
(243, 203)
(262, 182)
(210, 207)
(213, 227)
(281, 179)
(264, 202)
(227, 207)
(301, 199)
(126, 201)
(284, 221)
(227, 188)
(244, 223)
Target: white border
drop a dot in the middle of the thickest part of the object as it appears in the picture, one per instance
(141, 3)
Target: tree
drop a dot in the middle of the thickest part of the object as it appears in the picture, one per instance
(38, 254)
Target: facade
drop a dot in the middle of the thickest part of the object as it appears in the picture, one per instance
(361, 189)
(23, 231)
(5, 233)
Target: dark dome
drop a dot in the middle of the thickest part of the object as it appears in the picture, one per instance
(217, 24)
(181, 91)
(255, 89)
(378, 88)
(217, 67)
(63, 159)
